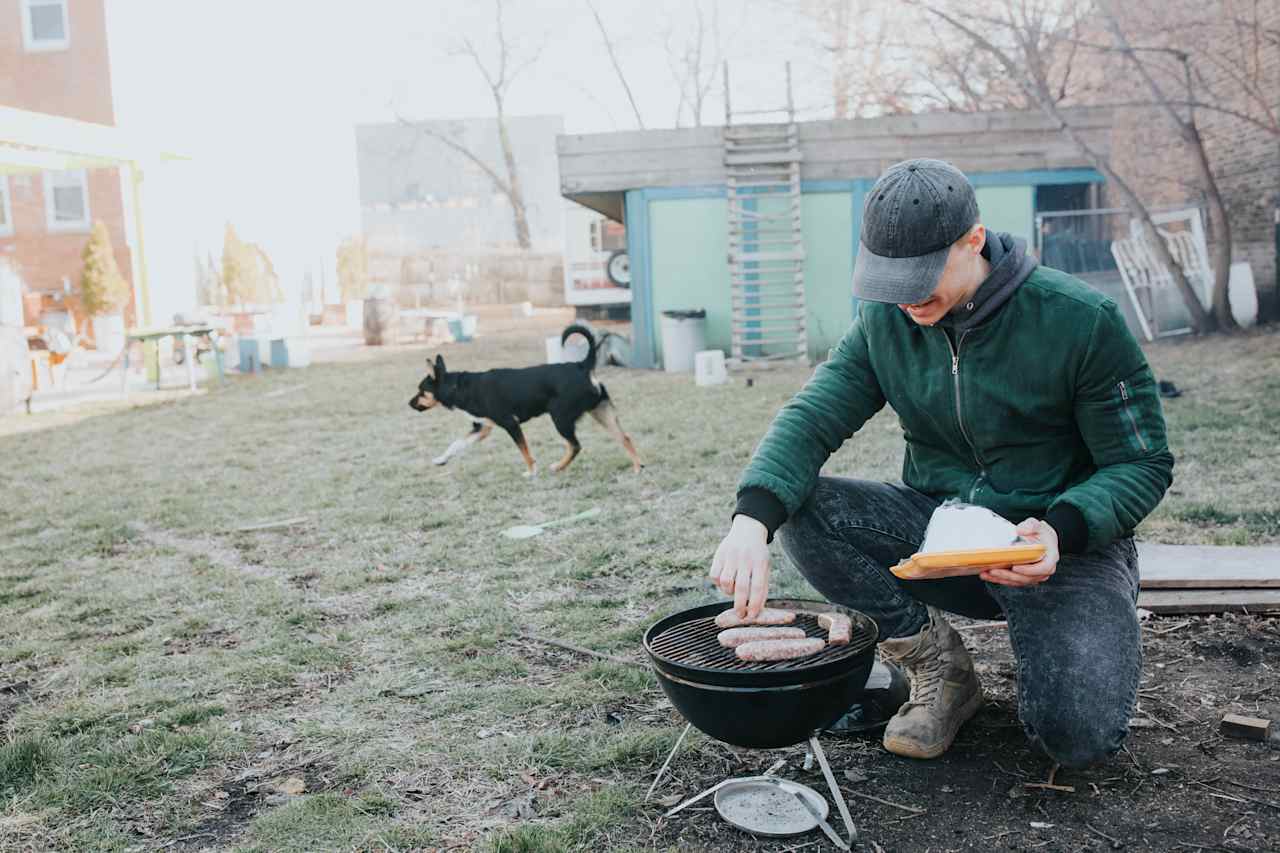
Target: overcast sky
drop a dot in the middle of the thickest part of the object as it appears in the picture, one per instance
(264, 93)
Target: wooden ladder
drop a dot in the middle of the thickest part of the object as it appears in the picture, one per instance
(766, 243)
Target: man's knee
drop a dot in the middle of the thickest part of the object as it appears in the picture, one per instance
(1077, 739)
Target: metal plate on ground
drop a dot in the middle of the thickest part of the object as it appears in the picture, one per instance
(766, 805)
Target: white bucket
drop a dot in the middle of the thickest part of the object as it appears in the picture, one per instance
(108, 333)
(555, 352)
(708, 367)
(355, 314)
(299, 352)
(1243, 294)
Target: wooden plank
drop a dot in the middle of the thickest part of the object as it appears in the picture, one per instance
(1249, 728)
(774, 322)
(742, 218)
(784, 158)
(775, 283)
(766, 257)
(775, 234)
(746, 341)
(1209, 600)
(1208, 567)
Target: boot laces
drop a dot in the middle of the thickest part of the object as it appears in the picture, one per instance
(926, 681)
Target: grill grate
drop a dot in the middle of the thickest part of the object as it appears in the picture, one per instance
(695, 643)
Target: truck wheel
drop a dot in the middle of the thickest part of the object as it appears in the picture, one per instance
(618, 268)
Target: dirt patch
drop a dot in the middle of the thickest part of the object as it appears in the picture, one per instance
(12, 694)
(204, 547)
(1178, 784)
(260, 787)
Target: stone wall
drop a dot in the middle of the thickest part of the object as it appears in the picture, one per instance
(488, 277)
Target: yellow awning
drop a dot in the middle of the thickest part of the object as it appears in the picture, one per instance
(31, 141)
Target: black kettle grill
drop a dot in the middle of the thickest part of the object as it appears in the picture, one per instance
(759, 705)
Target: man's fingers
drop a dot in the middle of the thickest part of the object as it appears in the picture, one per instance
(728, 572)
(717, 563)
(742, 588)
(1006, 577)
(1042, 567)
(759, 589)
(1028, 527)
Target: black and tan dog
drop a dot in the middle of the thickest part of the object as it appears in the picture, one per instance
(507, 397)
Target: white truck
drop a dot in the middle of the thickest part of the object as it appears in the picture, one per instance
(597, 271)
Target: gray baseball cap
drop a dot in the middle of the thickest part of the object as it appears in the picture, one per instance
(912, 216)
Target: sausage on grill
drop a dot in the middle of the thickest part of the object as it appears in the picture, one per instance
(838, 626)
(764, 650)
(735, 637)
(766, 616)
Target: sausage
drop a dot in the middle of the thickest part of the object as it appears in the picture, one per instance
(838, 626)
(767, 616)
(763, 650)
(735, 637)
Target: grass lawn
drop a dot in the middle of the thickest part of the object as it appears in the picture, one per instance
(359, 681)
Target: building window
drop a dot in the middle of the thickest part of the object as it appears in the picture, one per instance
(66, 200)
(6, 209)
(45, 25)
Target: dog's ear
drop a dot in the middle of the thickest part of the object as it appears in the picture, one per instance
(439, 369)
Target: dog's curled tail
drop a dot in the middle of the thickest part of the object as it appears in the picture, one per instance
(588, 363)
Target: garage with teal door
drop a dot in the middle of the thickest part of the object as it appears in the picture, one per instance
(671, 191)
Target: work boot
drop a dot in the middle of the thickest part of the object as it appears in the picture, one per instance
(945, 691)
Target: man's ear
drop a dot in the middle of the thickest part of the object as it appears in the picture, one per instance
(976, 239)
(439, 366)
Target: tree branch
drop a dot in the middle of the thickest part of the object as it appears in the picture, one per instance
(1036, 88)
(453, 144)
(617, 66)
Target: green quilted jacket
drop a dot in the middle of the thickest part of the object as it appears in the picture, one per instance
(1047, 410)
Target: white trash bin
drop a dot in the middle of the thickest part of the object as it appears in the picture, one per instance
(683, 334)
(555, 352)
(709, 369)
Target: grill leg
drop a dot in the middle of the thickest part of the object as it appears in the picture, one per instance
(663, 769)
(835, 789)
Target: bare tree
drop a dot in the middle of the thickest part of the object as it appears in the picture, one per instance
(868, 67)
(695, 59)
(1189, 130)
(617, 66)
(1027, 38)
(498, 76)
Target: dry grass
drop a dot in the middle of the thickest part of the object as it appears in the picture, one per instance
(161, 675)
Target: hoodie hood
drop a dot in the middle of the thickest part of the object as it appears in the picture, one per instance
(1011, 264)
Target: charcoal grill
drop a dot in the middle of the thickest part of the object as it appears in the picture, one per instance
(760, 705)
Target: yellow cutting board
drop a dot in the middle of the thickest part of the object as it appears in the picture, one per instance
(947, 564)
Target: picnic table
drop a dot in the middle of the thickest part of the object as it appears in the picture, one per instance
(181, 333)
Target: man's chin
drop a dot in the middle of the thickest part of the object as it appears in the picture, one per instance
(927, 318)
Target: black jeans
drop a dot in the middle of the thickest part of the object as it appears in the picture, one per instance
(1075, 636)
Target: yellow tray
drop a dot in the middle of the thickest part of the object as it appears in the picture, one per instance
(948, 564)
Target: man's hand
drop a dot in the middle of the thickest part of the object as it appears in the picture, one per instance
(741, 566)
(1030, 574)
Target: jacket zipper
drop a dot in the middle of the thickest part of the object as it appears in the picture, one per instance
(955, 377)
(1124, 401)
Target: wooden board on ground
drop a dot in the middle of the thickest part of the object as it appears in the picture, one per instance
(1208, 567)
(1209, 600)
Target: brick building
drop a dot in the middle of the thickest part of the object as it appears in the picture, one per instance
(54, 60)
(1234, 48)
